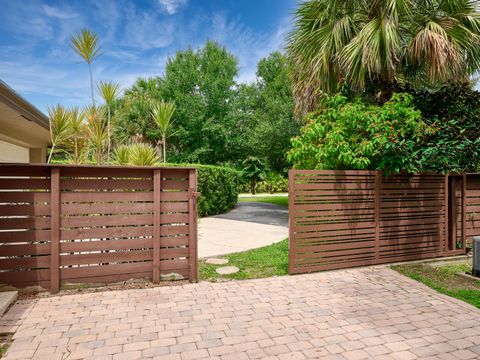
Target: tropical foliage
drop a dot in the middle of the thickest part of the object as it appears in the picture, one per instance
(162, 113)
(254, 170)
(354, 135)
(378, 44)
(86, 45)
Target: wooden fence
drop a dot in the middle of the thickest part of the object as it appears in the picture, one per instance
(96, 224)
(472, 206)
(342, 219)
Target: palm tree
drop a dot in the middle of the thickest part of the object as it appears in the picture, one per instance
(59, 127)
(109, 91)
(381, 43)
(254, 169)
(162, 114)
(76, 123)
(85, 44)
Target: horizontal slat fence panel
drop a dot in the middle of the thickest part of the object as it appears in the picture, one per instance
(472, 207)
(340, 219)
(108, 219)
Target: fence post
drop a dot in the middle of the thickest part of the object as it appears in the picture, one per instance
(54, 230)
(192, 223)
(157, 183)
(291, 220)
(378, 199)
(446, 209)
(464, 213)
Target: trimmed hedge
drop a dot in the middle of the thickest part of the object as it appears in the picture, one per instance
(218, 186)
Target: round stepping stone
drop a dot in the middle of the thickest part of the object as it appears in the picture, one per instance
(227, 270)
(216, 261)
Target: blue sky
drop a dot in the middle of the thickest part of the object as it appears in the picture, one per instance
(137, 38)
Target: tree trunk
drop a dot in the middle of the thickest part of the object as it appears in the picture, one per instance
(253, 185)
(91, 83)
(51, 153)
(164, 149)
(108, 134)
(76, 149)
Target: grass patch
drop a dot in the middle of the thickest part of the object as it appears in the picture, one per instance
(274, 199)
(445, 279)
(267, 261)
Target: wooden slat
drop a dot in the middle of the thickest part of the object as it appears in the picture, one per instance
(22, 183)
(106, 220)
(106, 184)
(112, 232)
(24, 236)
(107, 208)
(25, 210)
(105, 245)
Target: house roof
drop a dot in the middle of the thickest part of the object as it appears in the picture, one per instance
(12, 99)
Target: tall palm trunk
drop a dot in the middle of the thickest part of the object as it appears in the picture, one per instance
(51, 153)
(164, 140)
(108, 134)
(91, 82)
(75, 139)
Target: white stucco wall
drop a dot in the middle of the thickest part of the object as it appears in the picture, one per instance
(13, 153)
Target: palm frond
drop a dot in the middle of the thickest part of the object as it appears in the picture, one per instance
(85, 44)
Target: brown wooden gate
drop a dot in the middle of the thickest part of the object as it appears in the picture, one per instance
(341, 219)
(96, 224)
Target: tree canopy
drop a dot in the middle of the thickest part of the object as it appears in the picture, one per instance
(378, 44)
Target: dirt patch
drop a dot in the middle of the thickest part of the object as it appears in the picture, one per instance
(5, 341)
(36, 292)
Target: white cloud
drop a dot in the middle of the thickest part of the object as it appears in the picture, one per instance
(170, 7)
(62, 14)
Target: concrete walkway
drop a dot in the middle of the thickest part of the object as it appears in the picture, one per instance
(370, 313)
(248, 226)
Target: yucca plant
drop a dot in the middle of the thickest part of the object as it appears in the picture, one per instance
(109, 91)
(383, 43)
(162, 113)
(85, 44)
(76, 122)
(97, 132)
(60, 130)
(142, 154)
(121, 155)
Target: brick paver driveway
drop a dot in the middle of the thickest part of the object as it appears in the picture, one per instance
(352, 314)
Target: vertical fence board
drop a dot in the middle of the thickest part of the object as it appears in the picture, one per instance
(291, 219)
(55, 230)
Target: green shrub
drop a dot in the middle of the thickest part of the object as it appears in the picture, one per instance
(274, 183)
(355, 135)
(218, 187)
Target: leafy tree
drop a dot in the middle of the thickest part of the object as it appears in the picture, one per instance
(355, 135)
(109, 91)
(162, 113)
(255, 170)
(201, 83)
(274, 112)
(85, 44)
(453, 114)
(380, 44)
(60, 130)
